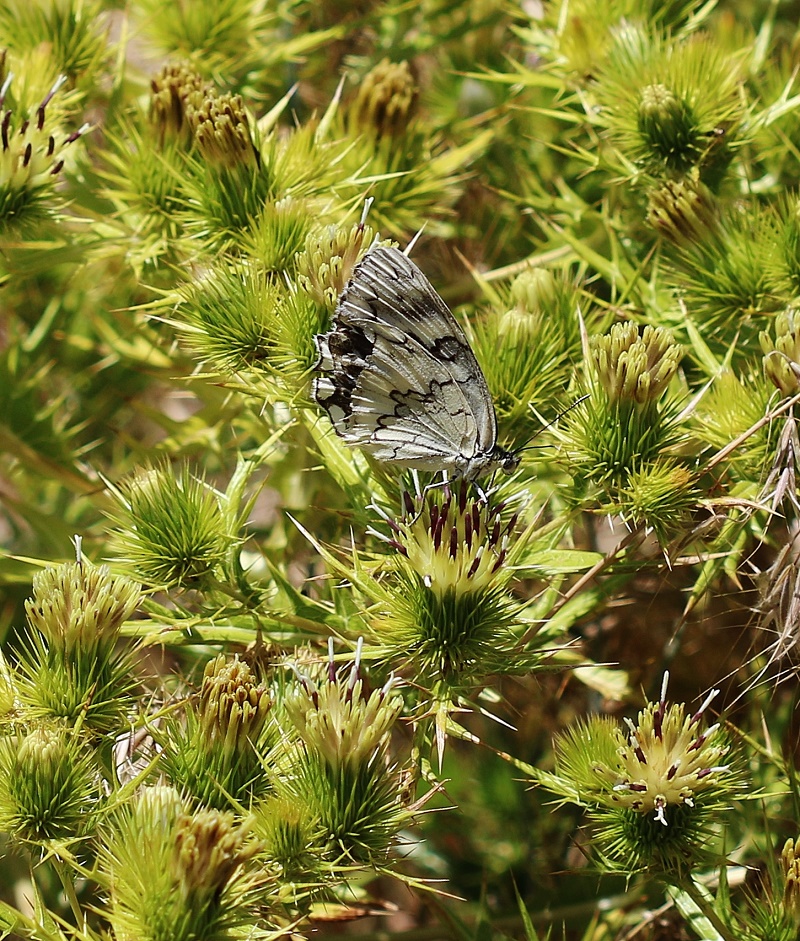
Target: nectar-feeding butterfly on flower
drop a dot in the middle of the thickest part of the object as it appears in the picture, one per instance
(397, 376)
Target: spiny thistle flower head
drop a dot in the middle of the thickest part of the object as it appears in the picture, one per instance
(33, 151)
(632, 367)
(221, 130)
(214, 750)
(171, 529)
(386, 100)
(660, 496)
(71, 666)
(177, 86)
(654, 794)
(325, 265)
(449, 612)
(782, 355)
(682, 210)
(287, 831)
(48, 787)
(670, 104)
(78, 607)
(667, 760)
(176, 874)
(335, 717)
(233, 708)
(209, 849)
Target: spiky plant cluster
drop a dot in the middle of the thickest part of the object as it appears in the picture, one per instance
(604, 195)
(654, 795)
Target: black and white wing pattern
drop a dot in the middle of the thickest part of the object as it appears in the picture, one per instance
(397, 376)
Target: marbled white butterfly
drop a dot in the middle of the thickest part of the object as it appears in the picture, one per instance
(398, 378)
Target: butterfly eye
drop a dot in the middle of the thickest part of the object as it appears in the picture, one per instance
(510, 462)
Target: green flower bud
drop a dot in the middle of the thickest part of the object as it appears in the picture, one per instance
(782, 356)
(634, 368)
(171, 529)
(222, 130)
(175, 88)
(667, 124)
(535, 290)
(47, 787)
(386, 100)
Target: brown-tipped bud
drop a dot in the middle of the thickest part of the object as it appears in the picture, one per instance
(175, 88)
(386, 101)
(683, 211)
(222, 130)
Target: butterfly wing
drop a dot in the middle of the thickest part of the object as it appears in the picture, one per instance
(397, 375)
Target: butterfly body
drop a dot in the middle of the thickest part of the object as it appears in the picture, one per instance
(398, 378)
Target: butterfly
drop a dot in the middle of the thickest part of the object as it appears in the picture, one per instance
(397, 376)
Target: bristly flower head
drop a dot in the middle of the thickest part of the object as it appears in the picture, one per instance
(336, 719)
(386, 100)
(653, 794)
(48, 787)
(214, 754)
(33, 150)
(326, 264)
(682, 210)
(339, 768)
(173, 874)
(176, 88)
(172, 531)
(71, 666)
(667, 760)
(458, 547)
(782, 355)
(449, 613)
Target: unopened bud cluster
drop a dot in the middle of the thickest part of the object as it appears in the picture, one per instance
(782, 355)
(233, 708)
(635, 368)
(790, 866)
(386, 100)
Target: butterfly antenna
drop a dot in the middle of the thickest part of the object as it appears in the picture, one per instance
(550, 424)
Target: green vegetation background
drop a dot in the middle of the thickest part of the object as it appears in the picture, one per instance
(163, 272)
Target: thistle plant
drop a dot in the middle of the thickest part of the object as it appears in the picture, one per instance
(341, 773)
(214, 754)
(225, 718)
(72, 668)
(173, 873)
(655, 795)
